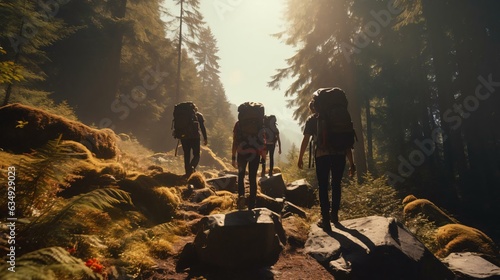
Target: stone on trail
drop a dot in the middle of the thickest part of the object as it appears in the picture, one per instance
(374, 248)
(472, 266)
(273, 186)
(240, 239)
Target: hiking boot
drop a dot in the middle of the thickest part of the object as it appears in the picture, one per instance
(240, 204)
(325, 225)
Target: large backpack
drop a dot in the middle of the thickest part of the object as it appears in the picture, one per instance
(185, 123)
(250, 119)
(271, 128)
(335, 129)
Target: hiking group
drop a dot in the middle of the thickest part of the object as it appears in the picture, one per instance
(255, 135)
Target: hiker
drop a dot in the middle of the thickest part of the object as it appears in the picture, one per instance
(272, 134)
(330, 153)
(187, 124)
(247, 149)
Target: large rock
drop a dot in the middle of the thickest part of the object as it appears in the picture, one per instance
(472, 266)
(273, 186)
(301, 193)
(374, 248)
(274, 204)
(240, 239)
(25, 128)
(224, 183)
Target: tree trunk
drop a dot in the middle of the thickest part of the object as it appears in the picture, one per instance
(179, 56)
(454, 150)
(369, 135)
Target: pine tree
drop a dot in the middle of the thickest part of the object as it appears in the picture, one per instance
(191, 17)
(28, 27)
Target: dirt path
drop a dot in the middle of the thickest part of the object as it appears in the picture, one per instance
(293, 264)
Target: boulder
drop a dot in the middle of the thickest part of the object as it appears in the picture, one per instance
(240, 239)
(290, 208)
(273, 186)
(25, 128)
(365, 247)
(224, 183)
(265, 201)
(301, 193)
(456, 238)
(471, 266)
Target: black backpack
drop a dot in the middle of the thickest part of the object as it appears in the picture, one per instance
(250, 119)
(271, 128)
(335, 129)
(185, 123)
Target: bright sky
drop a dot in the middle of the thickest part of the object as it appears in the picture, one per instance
(249, 55)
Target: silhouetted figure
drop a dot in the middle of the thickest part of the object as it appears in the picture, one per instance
(247, 149)
(272, 134)
(330, 161)
(187, 124)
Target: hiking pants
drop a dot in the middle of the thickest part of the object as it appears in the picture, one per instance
(252, 160)
(270, 148)
(188, 145)
(326, 165)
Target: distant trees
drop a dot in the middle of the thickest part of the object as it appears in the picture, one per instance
(114, 63)
(212, 98)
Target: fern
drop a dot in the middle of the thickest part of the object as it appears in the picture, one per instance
(52, 263)
(57, 225)
(40, 176)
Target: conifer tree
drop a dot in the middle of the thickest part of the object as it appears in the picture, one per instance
(27, 28)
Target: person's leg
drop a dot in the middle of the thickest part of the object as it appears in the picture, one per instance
(195, 144)
(262, 161)
(271, 148)
(337, 169)
(253, 167)
(186, 148)
(242, 166)
(322, 174)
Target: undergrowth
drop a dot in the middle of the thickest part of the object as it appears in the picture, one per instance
(373, 196)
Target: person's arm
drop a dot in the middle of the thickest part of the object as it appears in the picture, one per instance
(201, 121)
(303, 147)
(234, 147)
(279, 143)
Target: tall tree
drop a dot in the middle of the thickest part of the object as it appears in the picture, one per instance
(27, 28)
(190, 17)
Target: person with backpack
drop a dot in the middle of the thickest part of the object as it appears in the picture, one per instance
(187, 124)
(272, 135)
(331, 127)
(247, 149)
